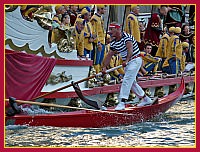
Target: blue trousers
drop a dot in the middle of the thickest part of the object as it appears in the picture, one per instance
(97, 56)
(174, 66)
(87, 52)
(149, 66)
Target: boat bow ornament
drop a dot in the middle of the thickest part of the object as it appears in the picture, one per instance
(29, 36)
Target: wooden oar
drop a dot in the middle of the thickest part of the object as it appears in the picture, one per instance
(69, 107)
(82, 80)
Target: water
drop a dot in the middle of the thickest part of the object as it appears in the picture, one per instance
(175, 128)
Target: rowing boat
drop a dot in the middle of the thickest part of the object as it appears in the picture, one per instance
(20, 36)
(96, 119)
(67, 68)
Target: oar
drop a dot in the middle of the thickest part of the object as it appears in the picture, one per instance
(69, 107)
(82, 80)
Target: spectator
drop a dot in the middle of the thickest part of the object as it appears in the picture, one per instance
(57, 17)
(153, 32)
(73, 13)
(150, 63)
(142, 27)
(172, 64)
(65, 21)
(107, 46)
(185, 47)
(192, 15)
(98, 34)
(163, 45)
(79, 36)
(56, 33)
(88, 35)
(175, 15)
(186, 35)
(132, 26)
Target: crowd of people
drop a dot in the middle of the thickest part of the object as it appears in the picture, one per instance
(166, 43)
(89, 30)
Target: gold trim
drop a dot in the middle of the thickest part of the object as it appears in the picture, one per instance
(29, 51)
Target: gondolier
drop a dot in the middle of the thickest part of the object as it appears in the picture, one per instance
(126, 45)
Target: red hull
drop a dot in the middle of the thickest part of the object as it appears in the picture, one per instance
(93, 119)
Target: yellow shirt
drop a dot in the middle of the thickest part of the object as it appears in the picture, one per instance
(179, 51)
(98, 28)
(116, 60)
(173, 44)
(146, 57)
(183, 63)
(176, 50)
(79, 42)
(56, 19)
(163, 46)
(132, 27)
(87, 34)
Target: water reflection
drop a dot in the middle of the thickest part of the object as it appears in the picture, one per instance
(174, 128)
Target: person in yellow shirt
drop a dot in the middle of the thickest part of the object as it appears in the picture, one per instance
(88, 36)
(174, 41)
(118, 74)
(79, 36)
(60, 9)
(163, 45)
(98, 33)
(150, 63)
(172, 64)
(107, 46)
(185, 47)
(56, 34)
(132, 25)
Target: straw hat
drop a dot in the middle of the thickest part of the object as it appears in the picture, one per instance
(133, 6)
(84, 11)
(177, 30)
(57, 7)
(172, 29)
(185, 44)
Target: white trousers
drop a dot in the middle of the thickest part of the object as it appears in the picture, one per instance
(129, 81)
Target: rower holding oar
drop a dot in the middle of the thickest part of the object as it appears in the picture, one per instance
(126, 45)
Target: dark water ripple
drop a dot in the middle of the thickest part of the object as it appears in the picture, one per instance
(175, 128)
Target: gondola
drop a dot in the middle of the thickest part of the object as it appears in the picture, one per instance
(97, 118)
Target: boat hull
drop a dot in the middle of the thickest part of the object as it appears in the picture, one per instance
(97, 119)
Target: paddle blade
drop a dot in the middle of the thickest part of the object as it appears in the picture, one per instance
(81, 96)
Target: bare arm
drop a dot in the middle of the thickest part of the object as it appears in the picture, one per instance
(129, 46)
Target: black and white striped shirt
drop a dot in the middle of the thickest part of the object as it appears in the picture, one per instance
(120, 46)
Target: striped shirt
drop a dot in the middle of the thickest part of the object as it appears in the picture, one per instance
(120, 46)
